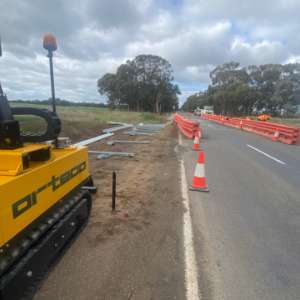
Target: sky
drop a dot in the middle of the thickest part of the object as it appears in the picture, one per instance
(96, 36)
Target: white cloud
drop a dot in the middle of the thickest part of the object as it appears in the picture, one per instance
(293, 59)
(94, 37)
(184, 95)
(263, 52)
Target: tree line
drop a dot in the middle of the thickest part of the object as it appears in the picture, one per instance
(143, 84)
(59, 102)
(236, 90)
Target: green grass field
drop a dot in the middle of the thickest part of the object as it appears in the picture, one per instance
(101, 115)
(288, 121)
(80, 121)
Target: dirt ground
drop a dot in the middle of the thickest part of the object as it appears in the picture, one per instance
(133, 253)
(135, 178)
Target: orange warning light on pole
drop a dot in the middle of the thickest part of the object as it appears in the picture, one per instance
(49, 42)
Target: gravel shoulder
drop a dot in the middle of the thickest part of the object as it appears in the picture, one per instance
(135, 253)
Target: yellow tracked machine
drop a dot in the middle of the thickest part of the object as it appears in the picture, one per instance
(44, 198)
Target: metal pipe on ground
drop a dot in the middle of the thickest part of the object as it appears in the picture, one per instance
(146, 130)
(161, 125)
(93, 140)
(116, 123)
(117, 128)
(150, 126)
(107, 154)
(134, 132)
(126, 142)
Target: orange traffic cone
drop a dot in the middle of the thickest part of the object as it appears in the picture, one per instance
(199, 180)
(241, 124)
(275, 136)
(196, 144)
(200, 134)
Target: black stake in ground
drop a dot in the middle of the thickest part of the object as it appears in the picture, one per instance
(113, 195)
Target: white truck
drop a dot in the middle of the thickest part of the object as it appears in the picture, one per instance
(205, 110)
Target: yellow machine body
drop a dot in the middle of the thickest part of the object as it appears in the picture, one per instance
(29, 188)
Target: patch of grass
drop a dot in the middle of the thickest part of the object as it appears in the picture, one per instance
(287, 121)
(31, 123)
(102, 115)
(80, 120)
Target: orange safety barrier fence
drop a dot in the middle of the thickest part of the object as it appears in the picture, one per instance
(187, 127)
(274, 131)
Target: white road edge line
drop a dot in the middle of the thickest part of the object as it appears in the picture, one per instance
(179, 138)
(267, 155)
(190, 268)
(191, 272)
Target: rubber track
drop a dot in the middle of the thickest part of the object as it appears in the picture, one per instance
(19, 269)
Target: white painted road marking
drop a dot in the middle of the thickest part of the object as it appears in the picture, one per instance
(191, 270)
(179, 138)
(267, 155)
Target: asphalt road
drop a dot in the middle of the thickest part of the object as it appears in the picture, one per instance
(239, 241)
(250, 220)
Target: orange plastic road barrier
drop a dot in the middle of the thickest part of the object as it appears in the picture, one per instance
(196, 144)
(200, 134)
(188, 127)
(199, 181)
(274, 131)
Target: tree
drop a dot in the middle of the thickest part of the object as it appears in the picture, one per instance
(228, 74)
(108, 85)
(228, 81)
(197, 100)
(144, 83)
(241, 91)
(154, 74)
